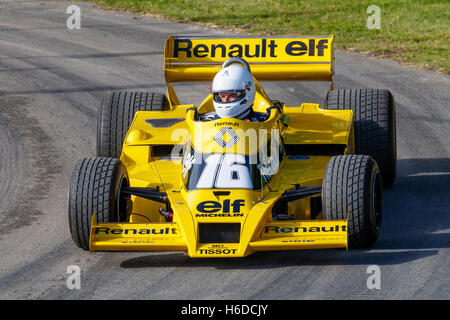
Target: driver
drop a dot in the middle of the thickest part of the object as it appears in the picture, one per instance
(233, 90)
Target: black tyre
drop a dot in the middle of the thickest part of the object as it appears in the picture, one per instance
(95, 187)
(375, 130)
(116, 114)
(352, 184)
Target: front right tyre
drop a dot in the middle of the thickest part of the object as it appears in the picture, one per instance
(353, 188)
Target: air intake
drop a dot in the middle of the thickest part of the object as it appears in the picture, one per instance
(219, 232)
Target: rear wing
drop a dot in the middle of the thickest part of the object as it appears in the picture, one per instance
(199, 58)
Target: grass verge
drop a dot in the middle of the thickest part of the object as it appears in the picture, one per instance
(411, 31)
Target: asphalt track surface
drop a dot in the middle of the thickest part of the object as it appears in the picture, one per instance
(51, 82)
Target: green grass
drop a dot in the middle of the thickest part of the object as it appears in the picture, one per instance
(412, 31)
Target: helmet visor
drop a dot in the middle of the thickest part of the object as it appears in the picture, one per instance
(228, 96)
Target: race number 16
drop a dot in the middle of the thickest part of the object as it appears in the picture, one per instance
(225, 171)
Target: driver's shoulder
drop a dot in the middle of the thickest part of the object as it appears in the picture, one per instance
(258, 116)
(208, 116)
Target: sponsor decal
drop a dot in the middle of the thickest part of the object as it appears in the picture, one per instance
(226, 123)
(292, 230)
(219, 137)
(219, 215)
(218, 249)
(265, 49)
(138, 241)
(109, 231)
(225, 207)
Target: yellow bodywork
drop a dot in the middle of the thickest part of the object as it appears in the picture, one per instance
(247, 212)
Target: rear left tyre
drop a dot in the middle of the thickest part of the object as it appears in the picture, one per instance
(116, 113)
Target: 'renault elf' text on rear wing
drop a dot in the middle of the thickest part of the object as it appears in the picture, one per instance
(291, 58)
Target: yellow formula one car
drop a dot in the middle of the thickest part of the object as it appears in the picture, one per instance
(308, 177)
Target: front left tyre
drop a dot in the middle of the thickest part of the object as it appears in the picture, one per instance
(95, 186)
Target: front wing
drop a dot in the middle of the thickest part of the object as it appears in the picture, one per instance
(169, 236)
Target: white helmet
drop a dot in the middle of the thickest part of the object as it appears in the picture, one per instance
(233, 90)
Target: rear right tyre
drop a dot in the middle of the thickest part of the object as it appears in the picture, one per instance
(375, 130)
